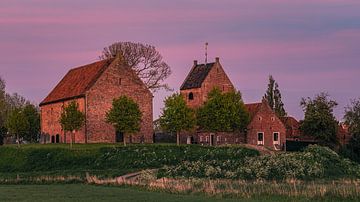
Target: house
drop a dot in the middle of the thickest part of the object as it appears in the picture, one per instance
(343, 134)
(201, 79)
(265, 127)
(93, 87)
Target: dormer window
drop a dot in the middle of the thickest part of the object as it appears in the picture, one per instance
(191, 96)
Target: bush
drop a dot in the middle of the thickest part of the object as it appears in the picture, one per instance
(313, 162)
(132, 157)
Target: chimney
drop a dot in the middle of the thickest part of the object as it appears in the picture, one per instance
(217, 59)
(195, 62)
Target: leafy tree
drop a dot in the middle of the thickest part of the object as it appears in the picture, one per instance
(319, 120)
(17, 124)
(125, 116)
(72, 119)
(352, 119)
(177, 116)
(3, 106)
(273, 96)
(144, 59)
(33, 117)
(223, 112)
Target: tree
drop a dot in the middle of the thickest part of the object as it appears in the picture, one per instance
(72, 119)
(273, 96)
(144, 59)
(352, 119)
(17, 124)
(319, 120)
(3, 109)
(32, 115)
(177, 116)
(223, 112)
(125, 116)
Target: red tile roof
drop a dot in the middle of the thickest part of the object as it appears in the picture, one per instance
(253, 108)
(290, 122)
(76, 82)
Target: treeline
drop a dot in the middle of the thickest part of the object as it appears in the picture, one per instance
(19, 118)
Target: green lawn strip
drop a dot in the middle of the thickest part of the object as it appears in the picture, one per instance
(80, 192)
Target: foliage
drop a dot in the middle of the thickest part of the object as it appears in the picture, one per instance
(314, 163)
(223, 112)
(125, 115)
(176, 115)
(144, 59)
(101, 157)
(72, 119)
(32, 115)
(17, 124)
(352, 116)
(352, 120)
(319, 120)
(273, 96)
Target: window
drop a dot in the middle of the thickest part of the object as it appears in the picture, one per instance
(191, 96)
(218, 139)
(120, 81)
(272, 118)
(260, 138)
(207, 139)
(276, 138)
(201, 138)
(260, 118)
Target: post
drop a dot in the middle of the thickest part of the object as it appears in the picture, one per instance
(178, 138)
(124, 138)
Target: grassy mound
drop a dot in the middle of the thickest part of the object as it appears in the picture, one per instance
(58, 158)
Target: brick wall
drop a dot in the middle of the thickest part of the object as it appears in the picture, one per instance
(265, 121)
(50, 121)
(117, 80)
(215, 78)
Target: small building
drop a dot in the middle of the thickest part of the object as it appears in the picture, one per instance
(203, 78)
(265, 128)
(93, 87)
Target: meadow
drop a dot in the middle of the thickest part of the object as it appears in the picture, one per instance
(171, 173)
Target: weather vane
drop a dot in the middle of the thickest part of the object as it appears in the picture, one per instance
(206, 46)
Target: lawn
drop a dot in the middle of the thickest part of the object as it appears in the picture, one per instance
(81, 192)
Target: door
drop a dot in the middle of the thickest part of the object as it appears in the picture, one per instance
(212, 137)
(119, 137)
(57, 139)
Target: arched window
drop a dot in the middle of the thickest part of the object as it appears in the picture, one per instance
(191, 96)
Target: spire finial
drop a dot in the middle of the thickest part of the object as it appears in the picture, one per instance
(206, 54)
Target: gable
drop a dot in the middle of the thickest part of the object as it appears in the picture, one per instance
(76, 82)
(196, 76)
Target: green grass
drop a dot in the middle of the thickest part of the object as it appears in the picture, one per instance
(80, 192)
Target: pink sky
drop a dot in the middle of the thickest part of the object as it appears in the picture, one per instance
(309, 46)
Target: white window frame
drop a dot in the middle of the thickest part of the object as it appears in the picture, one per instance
(276, 142)
(263, 139)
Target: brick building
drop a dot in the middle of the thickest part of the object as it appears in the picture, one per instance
(93, 87)
(265, 127)
(201, 80)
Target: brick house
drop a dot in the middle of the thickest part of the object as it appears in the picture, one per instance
(93, 87)
(265, 127)
(201, 79)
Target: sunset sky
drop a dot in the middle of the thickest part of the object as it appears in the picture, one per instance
(309, 46)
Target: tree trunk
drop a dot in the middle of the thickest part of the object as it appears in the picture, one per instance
(124, 137)
(178, 138)
(71, 139)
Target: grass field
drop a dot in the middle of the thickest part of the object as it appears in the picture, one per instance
(80, 192)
